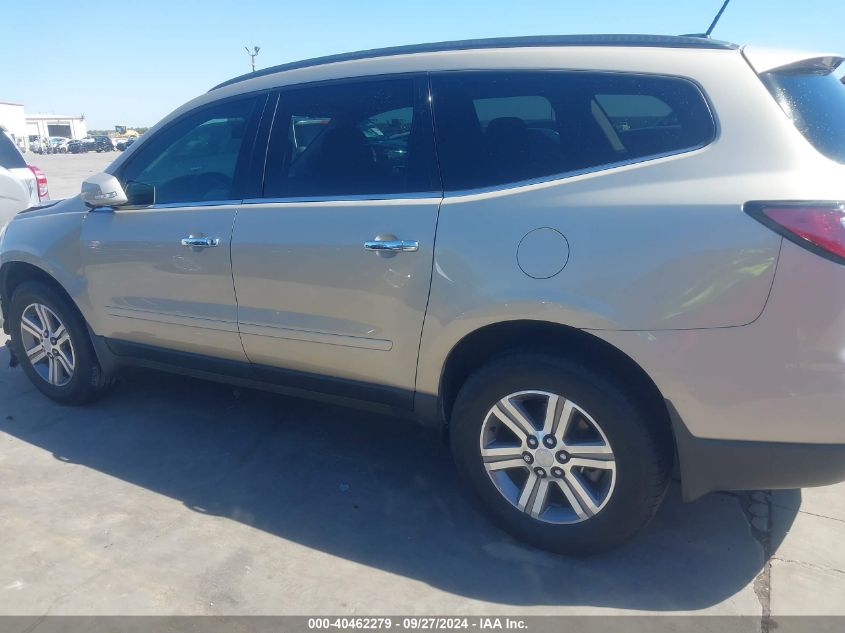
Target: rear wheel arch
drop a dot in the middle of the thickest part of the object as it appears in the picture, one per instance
(493, 341)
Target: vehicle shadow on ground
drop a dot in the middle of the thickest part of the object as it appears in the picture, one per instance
(374, 490)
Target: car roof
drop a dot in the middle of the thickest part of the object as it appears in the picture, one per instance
(621, 40)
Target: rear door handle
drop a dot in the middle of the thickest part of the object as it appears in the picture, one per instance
(392, 246)
(201, 242)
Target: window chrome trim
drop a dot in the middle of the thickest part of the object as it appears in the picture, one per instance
(576, 172)
(199, 203)
(429, 195)
(375, 197)
(176, 205)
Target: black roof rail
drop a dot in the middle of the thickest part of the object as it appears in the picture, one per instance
(657, 41)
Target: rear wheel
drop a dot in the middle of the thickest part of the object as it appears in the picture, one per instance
(51, 342)
(558, 456)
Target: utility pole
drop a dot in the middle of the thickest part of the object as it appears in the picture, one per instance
(252, 55)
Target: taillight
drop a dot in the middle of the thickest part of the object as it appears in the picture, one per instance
(41, 179)
(817, 226)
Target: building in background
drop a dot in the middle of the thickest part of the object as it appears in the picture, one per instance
(27, 128)
(47, 125)
(13, 120)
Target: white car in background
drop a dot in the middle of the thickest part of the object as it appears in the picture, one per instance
(59, 144)
(21, 185)
(13, 196)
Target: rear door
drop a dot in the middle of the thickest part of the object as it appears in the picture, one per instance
(332, 266)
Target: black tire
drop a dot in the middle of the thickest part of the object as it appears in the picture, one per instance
(87, 381)
(642, 450)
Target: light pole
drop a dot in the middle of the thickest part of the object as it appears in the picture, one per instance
(252, 55)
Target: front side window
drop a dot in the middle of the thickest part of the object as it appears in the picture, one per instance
(356, 138)
(495, 128)
(194, 160)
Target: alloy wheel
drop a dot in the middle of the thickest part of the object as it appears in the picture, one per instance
(47, 344)
(548, 457)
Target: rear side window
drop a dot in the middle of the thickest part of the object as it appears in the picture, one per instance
(815, 101)
(349, 139)
(495, 128)
(635, 112)
(10, 156)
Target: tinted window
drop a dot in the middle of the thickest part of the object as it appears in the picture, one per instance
(635, 112)
(194, 159)
(816, 104)
(354, 138)
(496, 128)
(10, 156)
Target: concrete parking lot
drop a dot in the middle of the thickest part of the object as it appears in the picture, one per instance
(65, 172)
(177, 496)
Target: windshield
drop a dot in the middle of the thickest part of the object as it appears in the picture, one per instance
(816, 104)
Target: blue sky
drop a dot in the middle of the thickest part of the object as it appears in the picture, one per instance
(159, 54)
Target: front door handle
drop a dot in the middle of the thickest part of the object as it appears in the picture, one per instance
(201, 242)
(392, 246)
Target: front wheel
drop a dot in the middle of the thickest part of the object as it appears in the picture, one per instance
(51, 342)
(558, 456)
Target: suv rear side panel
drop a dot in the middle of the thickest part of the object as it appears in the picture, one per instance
(741, 332)
(657, 245)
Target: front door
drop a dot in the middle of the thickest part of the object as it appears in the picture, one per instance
(158, 269)
(332, 267)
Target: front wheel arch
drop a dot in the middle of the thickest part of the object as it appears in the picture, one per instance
(13, 274)
(47, 331)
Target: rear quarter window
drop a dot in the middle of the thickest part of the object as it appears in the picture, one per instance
(498, 128)
(815, 102)
(10, 156)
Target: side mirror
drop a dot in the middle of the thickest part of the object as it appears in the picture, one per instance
(103, 190)
(140, 193)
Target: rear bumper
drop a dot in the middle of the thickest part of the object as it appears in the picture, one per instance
(708, 465)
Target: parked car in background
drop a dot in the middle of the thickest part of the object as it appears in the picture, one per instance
(124, 143)
(58, 144)
(30, 179)
(583, 259)
(76, 146)
(102, 144)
